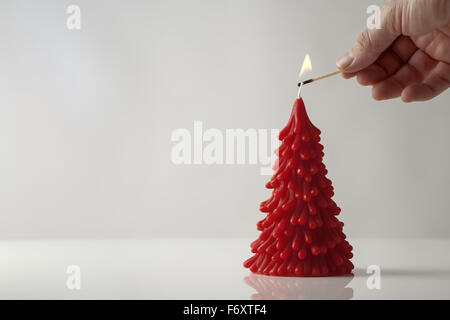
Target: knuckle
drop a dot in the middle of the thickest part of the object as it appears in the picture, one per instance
(364, 40)
(443, 51)
(443, 71)
(391, 16)
(362, 79)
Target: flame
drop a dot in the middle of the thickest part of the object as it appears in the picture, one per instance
(307, 66)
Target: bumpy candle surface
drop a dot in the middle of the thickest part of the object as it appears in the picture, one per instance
(300, 235)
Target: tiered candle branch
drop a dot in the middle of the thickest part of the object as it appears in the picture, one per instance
(300, 235)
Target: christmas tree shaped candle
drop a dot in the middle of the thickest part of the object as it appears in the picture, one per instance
(300, 234)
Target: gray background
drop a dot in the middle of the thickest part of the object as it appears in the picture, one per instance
(86, 118)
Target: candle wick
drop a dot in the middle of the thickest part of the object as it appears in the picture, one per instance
(299, 90)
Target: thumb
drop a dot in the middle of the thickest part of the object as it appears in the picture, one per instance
(372, 42)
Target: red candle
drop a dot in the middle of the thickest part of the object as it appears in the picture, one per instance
(300, 235)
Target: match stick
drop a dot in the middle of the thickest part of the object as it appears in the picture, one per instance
(318, 78)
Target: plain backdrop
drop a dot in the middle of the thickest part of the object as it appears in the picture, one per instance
(86, 118)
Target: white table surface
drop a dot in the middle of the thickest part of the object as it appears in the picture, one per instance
(211, 269)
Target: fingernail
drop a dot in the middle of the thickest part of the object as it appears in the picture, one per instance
(344, 61)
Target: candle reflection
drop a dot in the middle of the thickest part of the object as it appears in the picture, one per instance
(291, 288)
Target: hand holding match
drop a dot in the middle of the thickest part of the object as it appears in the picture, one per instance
(408, 56)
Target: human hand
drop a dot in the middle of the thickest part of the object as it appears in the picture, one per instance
(409, 56)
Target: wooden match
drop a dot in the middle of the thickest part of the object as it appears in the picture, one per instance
(318, 78)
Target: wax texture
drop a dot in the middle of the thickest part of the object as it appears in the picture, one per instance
(300, 234)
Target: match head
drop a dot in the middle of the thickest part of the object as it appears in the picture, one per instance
(305, 82)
